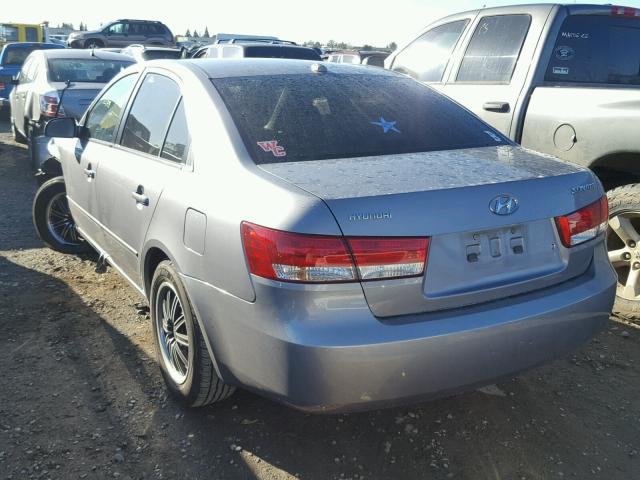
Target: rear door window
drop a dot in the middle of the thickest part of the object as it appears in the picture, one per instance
(150, 115)
(426, 58)
(177, 142)
(285, 118)
(597, 49)
(494, 49)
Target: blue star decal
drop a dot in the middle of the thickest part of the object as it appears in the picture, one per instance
(386, 126)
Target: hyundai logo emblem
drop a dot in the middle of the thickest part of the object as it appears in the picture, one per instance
(503, 205)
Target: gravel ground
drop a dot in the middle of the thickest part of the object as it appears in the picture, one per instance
(81, 395)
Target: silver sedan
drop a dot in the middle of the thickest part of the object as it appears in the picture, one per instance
(331, 236)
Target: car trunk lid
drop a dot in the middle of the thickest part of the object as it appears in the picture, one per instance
(474, 255)
(78, 97)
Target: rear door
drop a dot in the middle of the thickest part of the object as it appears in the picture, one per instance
(150, 151)
(585, 104)
(490, 69)
(81, 157)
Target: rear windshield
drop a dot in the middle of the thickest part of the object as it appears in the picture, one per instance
(281, 52)
(84, 70)
(8, 33)
(597, 49)
(16, 56)
(158, 54)
(289, 118)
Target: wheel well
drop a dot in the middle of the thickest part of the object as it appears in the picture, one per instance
(154, 257)
(618, 169)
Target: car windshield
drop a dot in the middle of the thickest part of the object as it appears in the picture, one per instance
(16, 56)
(157, 54)
(84, 70)
(281, 52)
(287, 118)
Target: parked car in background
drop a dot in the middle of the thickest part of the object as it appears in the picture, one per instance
(559, 79)
(253, 49)
(35, 98)
(372, 58)
(142, 53)
(347, 249)
(21, 32)
(12, 56)
(122, 33)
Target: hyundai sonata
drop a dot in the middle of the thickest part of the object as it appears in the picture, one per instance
(331, 236)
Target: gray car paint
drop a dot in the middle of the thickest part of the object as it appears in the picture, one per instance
(325, 347)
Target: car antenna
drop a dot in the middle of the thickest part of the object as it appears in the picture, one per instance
(67, 84)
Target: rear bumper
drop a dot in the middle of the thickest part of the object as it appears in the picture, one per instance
(320, 350)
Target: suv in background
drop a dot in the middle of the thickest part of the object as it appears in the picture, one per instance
(123, 33)
(142, 53)
(559, 79)
(258, 49)
(372, 58)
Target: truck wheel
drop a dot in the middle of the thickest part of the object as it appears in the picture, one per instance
(180, 346)
(93, 43)
(17, 136)
(53, 221)
(623, 244)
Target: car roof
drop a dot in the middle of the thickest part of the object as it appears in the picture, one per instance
(249, 67)
(34, 44)
(81, 54)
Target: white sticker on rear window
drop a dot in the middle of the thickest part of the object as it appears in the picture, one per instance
(561, 70)
(494, 136)
(580, 35)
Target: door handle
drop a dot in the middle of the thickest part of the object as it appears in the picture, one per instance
(500, 107)
(90, 173)
(140, 198)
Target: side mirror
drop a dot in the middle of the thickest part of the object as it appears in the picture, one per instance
(61, 128)
(15, 80)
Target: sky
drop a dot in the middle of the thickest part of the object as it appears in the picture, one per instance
(356, 22)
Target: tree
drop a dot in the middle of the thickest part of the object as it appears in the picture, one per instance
(392, 46)
(196, 34)
(331, 44)
(367, 47)
(206, 32)
(188, 34)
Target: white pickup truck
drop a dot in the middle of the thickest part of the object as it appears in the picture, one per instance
(559, 79)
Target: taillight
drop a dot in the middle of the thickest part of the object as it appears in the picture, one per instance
(378, 258)
(294, 257)
(1, 86)
(625, 11)
(49, 105)
(585, 224)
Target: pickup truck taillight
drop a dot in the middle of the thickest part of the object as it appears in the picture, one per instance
(49, 105)
(295, 257)
(585, 224)
(2, 86)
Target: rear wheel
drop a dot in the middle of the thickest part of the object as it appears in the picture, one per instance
(623, 244)
(180, 346)
(53, 221)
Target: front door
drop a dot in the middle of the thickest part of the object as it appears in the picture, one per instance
(81, 158)
(133, 177)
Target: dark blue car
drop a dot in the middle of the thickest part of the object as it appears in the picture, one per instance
(12, 57)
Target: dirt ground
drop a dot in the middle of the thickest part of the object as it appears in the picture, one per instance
(81, 395)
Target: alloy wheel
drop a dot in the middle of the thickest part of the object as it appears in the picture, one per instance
(623, 244)
(60, 223)
(171, 328)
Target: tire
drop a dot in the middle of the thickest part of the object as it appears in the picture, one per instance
(93, 43)
(53, 221)
(624, 222)
(195, 384)
(17, 136)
